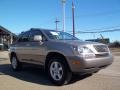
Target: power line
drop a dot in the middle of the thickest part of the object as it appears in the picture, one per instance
(112, 30)
(102, 28)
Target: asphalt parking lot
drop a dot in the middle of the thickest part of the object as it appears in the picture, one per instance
(35, 79)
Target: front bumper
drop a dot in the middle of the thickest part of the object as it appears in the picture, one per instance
(89, 65)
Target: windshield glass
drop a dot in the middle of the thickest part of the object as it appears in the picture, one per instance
(59, 35)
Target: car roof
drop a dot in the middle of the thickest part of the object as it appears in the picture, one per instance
(41, 29)
(36, 29)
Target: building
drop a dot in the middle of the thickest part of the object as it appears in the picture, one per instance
(6, 38)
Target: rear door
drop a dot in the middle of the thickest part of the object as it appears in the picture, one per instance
(22, 47)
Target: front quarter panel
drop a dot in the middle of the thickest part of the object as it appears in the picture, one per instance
(62, 48)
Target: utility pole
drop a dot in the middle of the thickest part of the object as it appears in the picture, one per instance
(56, 22)
(63, 7)
(73, 18)
(11, 38)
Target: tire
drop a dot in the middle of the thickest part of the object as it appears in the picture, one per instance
(58, 71)
(16, 65)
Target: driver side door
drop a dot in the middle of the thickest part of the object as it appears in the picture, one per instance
(36, 49)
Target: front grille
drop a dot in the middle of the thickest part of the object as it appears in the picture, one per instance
(101, 55)
(101, 48)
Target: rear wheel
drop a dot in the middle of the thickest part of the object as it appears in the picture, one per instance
(58, 71)
(16, 65)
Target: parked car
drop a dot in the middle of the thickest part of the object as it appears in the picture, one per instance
(1, 46)
(59, 53)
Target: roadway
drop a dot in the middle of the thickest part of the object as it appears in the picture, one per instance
(35, 79)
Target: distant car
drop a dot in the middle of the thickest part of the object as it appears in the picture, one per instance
(59, 53)
(1, 46)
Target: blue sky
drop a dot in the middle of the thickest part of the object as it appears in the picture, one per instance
(90, 15)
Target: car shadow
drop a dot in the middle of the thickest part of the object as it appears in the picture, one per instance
(77, 77)
(33, 75)
(29, 74)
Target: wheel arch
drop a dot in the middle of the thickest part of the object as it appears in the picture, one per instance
(55, 54)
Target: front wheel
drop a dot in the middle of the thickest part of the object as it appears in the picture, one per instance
(58, 71)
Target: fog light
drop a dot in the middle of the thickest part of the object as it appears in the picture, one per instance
(76, 62)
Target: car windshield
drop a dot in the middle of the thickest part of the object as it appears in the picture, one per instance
(59, 35)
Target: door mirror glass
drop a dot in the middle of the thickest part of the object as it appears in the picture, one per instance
(37, 38)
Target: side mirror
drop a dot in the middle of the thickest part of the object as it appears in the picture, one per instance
(37, 38)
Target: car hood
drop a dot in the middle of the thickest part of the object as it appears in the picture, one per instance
(77, 42)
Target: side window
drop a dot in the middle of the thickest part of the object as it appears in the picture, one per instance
(24, 37)
(35, 32)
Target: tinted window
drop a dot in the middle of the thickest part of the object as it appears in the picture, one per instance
(35, 32)
(24, 37)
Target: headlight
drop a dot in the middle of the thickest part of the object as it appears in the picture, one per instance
(84, 52)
